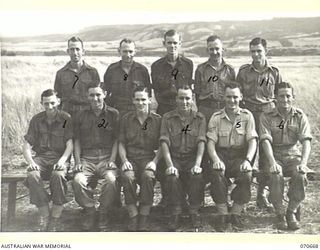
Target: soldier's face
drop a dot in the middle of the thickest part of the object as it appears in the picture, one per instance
(127, 52)
(141, 101)
(96, 98)
(184, 99)
(50, 104)
(258, 53)
(75, 51)
(285, 98)
(215, 50)
(232, 98)
(172, 44)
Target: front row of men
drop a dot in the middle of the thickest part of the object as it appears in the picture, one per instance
(142, 138)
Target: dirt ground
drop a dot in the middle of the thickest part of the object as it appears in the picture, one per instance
(256, 220)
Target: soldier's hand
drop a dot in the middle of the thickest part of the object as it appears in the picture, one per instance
(302, 168)
(172, 171)
(218, 165)
(111, 165)
(151, 166)
(245, 167)
(59, 166)
(196, 169)
(78, 168)
(33, 167)
(276, 169)
(126, 166)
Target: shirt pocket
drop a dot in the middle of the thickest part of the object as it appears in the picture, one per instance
(276, 131)
(191, 139)
(86, 135)
(293, 133)
(44, 137)
(58, 141)
(67, 84)
(224, 138)
(240, 137)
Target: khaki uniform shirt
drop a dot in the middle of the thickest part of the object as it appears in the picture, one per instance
(227, 134)
(45, 137)
(181, 136)
(120, 85)
(166, 79)
(72, 87)
(258, 87)
(285, 134)
(139, 140)
(210, 83)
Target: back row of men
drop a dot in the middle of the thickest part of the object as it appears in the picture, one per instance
(141, 138)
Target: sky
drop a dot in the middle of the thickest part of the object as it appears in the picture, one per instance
(35, 22)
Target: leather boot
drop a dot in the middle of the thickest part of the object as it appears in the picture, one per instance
(292, 221)
(173, 223)
(133, 224)
(143, 223)
(221, 223)
(89, 219)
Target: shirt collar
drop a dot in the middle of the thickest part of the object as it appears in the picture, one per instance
(292, 112)
(223, 64)
(83, 67)
(267, 66)
(58, 118)
(225, 115)
(176, 113)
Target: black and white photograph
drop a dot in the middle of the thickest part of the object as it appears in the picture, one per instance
(160, 121)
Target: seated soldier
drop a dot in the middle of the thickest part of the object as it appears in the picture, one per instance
(50, 136)
(183, 137)
(95, 152)
(139, 137)
(280, 131)
(232, 143)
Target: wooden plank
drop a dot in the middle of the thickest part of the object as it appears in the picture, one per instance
(7, 178)
(12, 195)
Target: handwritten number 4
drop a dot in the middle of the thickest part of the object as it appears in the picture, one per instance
(186, 129)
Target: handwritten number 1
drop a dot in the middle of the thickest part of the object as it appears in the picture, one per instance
(64, 124)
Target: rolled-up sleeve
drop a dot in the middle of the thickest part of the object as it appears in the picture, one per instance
(76, 126)
(31, 136)
(213, 132)
(202, 130)
(305, 131)
(265, 129)
(122, 133)
(251, 128)
(164, 132)
(68, 134)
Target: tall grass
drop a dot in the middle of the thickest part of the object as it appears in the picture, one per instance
(24, 78)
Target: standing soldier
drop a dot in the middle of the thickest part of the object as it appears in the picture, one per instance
(183, 137)
(95, 144)
(72, 80)
(232, 143)
(122, 77)
(50, 136)
(139, 138)
(258, 81)
(211, 77)
(280, 131)
(170, 72)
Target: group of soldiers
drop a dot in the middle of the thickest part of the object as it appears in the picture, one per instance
(218, 128)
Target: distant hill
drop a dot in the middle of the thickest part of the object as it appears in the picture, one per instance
(285, 36)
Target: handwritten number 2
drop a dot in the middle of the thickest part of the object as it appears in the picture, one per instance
(102, 124)
(77, 78)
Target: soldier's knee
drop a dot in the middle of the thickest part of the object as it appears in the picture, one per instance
(171, 179)
(128, 176)
(197, 178)
(147, 175)
(246, 177)
(110, 176)
(79, 180)
(33, 175)
(57, 174)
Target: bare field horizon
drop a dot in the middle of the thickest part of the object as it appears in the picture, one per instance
(23, 79)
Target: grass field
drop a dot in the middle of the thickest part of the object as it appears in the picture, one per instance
(24, 78)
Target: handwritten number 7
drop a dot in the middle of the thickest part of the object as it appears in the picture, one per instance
(77, 78)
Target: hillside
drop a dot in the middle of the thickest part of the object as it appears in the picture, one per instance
(286, 36)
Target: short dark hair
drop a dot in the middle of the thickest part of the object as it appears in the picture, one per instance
(257, 41)
(171, 33)
(126, 40)
(232, 85)
(141, 89)
(93, 85)
(48, 92)
(213, 38)
(283, 85)
(184, 87)
(75, 39)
